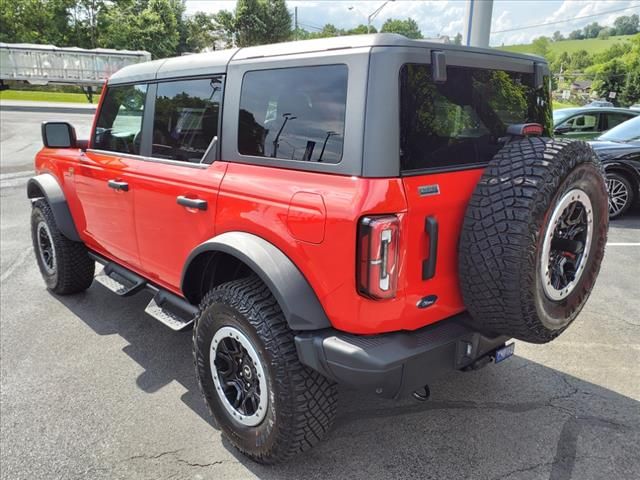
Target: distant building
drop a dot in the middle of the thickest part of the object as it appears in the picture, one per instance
(581, 86)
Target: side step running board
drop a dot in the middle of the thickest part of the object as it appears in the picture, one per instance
(166, 307)
(119, 280)
(173, 311)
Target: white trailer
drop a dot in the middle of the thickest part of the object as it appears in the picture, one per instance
(45, 64)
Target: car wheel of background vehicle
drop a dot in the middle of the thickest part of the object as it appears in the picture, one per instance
(533, 238)
(64, 264)
(266, 402)
(620, 194)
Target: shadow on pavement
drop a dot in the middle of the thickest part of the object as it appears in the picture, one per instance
(518, 419)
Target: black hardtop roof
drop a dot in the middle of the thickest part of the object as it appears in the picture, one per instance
(204, 62)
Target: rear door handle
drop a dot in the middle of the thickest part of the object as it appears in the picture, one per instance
(429, 265)
(196, 203)
(117, 185)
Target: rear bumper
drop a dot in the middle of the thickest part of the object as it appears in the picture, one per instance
(395, 364)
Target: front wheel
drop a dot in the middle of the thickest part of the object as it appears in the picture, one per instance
(620, 194)
(65, 265)
(266, 402)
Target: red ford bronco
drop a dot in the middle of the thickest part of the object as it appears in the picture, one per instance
(372, 210)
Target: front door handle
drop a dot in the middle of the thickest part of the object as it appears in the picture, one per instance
(117, 185)
(196, 203)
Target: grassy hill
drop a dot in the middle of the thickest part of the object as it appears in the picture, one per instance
(591, 45)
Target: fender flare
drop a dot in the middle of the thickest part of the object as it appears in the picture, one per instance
(296, 298)
(46, 186)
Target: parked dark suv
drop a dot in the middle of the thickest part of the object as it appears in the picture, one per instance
(369, 210)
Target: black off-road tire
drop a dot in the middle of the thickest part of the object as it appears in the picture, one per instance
(74, 269)
(301, 403)
(502, 237)
(630, 191)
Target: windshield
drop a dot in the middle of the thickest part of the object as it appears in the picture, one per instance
(628, 131)
(561, 115)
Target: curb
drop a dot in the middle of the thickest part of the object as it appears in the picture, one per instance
(48, 108)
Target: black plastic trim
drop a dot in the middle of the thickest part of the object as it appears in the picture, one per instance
(296, 298)
(197, 203)
(429, 264)
(45, 185)
(398, 363)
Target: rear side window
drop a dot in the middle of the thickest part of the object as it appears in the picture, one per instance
(119, 124)
(459, 123)
(294, 113)
(186, 118)
(614, 119)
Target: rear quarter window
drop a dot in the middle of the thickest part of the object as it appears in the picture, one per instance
(294, 113)
(459, 123)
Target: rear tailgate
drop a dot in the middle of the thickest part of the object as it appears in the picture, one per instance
(441, 198)
(450, 129)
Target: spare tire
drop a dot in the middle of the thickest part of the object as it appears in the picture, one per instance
(533, 238)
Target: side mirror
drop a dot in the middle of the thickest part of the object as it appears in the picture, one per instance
(59, 135)
(561, 130)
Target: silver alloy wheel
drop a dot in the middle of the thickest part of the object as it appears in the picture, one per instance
(46, 249)
(566, 244)
(238, 376)
(618, 196)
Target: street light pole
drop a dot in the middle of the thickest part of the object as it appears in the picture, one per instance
(375, 13)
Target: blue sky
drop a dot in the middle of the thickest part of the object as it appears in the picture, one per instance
(446, 17)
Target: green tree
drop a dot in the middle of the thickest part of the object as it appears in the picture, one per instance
(409, 28)
(362, 30)
(604, 34)
(250, 26)
(557, 36)
(592, 30)
(458, 39)
(278, 21)
(256, 22)
(540, 46)
(627, 25)
(576, 35)
(35, 21)
(200, 32)
(609, 77)
(631, 90)
(153, 28)
(580, 60)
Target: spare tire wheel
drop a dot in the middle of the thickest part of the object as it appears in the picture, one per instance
(533, 238)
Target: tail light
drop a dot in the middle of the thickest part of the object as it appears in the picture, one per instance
(377, 274)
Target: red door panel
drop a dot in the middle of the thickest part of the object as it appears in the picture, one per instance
(109, 223)
(167, 231)
(447, 207)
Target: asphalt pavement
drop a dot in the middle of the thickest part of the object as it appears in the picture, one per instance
(92, 388)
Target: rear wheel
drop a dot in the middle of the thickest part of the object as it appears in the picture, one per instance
(533, 238)
(621, 195)
(65, 265)
(266, 402)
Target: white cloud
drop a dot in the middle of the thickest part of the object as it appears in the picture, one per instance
(447, 17)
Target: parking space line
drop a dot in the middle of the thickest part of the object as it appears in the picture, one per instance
(624, 244)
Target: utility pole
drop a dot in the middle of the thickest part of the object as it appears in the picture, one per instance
(478, 23)
(374, 14)
(295, 22)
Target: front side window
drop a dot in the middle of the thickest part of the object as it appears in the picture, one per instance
(186, 118)
(294, 113)
(119, 124)
(581, 123)
(461, 122)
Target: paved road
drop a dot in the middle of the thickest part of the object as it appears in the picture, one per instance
(93, 388)
(21, 137)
